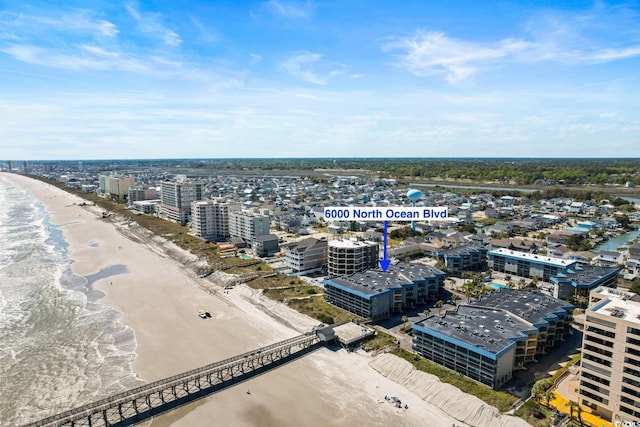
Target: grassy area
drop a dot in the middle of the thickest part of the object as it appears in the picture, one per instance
(501, 400)
(277, 281)
(380, 340)
(535, 414)
(317, 308)
(574, 358)
(283, 294)
(393, 242)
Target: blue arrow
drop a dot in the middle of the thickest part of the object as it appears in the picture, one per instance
(384, 262)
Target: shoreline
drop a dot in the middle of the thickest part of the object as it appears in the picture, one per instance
(159, 299)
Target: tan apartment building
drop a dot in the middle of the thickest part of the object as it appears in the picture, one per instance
(115, 186)
(210, 219)
(610, 369)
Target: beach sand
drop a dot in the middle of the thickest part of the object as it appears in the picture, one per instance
(159, 299)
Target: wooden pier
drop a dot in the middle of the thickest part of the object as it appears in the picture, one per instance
(140, 403)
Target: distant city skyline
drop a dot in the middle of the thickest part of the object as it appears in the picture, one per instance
(332, 79)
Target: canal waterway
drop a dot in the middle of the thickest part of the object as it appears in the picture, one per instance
(615, 242)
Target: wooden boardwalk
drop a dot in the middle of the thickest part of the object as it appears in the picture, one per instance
(140, 403)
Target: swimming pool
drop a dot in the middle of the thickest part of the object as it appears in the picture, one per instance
(498, 285)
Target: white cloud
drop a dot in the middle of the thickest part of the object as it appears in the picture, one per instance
(254, 58)
(94, 58)
(288, 9)
(433, 53)
(311, 68)
(74, 22)
(150, 23)
(603, 34)
(296, 67)
(206, 34)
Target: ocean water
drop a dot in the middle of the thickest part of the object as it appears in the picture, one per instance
(59, 347)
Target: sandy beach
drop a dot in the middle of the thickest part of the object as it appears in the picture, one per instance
(159, 299)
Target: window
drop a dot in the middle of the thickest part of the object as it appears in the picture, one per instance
(601, 332)
(631, 371)
(597, 359)
(597, 340)
(595, 378)
(598, 350)
(594, 397)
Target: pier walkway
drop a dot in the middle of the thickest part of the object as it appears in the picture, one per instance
(140, 403)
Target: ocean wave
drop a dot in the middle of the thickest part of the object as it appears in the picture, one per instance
(60, 349)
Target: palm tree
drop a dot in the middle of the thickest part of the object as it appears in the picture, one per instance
(467, 292)
(572, 405)
(580, 415)
(549, 395)
(439, 304)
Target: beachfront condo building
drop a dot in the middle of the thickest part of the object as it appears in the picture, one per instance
(477, 342)
(610, 369)
(176, 198)
(306, 256)
(115, 186)
(346, 256)
(377, 295)
(249, 224)
(567, 277)
(550, 317)
(487, 340)
(210, 219)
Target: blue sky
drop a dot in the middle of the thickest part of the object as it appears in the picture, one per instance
(335, 78)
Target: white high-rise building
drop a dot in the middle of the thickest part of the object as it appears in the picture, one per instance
(610, 370)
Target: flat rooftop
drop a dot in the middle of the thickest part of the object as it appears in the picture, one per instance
(532, 307)
(540, 259)
(460, 250)
(415, 271)
(585, 275)
(491, 330)
(371, 282)
(347, 243)
(617, 303)
(375, 281)
(349, 333)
